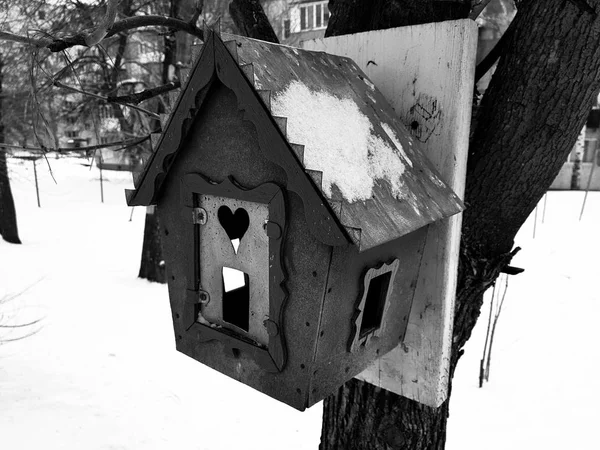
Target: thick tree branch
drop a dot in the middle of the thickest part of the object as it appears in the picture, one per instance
(584, 7)
(129, 23)
(139, 97)
(251, 20)
(199, 6)
(494, 55)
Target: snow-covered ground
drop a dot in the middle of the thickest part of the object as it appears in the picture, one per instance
(101, 371)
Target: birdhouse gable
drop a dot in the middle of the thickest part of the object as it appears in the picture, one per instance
(218, 65)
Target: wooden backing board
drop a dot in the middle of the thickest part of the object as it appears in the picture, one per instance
(426, 72)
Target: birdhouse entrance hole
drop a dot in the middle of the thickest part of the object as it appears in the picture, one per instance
(375, 303)
(236, 297)
(235, 224)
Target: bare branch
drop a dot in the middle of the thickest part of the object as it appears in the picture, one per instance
(144, 95)
(494, 55)
(106, 99)
(129, 23)
(477, 8)
(122, 144)
(251, 21)
(109, 19)
(21, 325)
(11, 37)
(197, 11)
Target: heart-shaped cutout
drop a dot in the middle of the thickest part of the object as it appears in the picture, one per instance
(235, 224)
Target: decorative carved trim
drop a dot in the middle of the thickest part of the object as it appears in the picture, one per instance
(356, 339)
(190, 100)
(272, 358)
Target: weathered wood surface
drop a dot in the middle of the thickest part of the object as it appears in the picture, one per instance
(426, 73)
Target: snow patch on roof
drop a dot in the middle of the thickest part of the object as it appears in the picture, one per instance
(392, 135)
(339, 140)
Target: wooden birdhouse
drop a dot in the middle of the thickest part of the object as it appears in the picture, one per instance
(294, 209)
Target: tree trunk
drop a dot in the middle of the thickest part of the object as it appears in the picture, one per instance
(152, 267)
(8, 215)
(530, 117)
(362, 416)
(355, 16)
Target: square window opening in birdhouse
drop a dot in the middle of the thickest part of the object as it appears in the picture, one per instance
(236, 298)
(372, 306)
(375, 303)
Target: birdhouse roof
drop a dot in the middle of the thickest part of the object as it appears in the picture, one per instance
(369, 173)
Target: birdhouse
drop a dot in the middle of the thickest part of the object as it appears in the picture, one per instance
(294, 209)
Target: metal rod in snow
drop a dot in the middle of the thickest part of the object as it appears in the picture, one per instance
(545, 201)
(37, 188)
(99, 164)
(587, 188)
(535, 221)
(487, 336)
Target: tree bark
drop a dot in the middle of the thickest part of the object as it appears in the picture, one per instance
(529, 119)
(8, 215)
(152, 266)
(355, 16)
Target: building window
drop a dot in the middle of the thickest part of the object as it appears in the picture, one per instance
(314, 16)
(304, 18)
(286, 28)
(318, 16)
(105, 112)
(71, 134)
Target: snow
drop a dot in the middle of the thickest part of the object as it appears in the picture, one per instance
(101, 372)
(392, 135)
(340, 141)
(542, 391)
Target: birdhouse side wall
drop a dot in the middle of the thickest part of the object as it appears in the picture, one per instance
(336, 361)
(219, 145)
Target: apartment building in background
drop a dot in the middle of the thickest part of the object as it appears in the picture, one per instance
(295, 21)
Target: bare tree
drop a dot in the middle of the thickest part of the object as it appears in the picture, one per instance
(8, 215)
